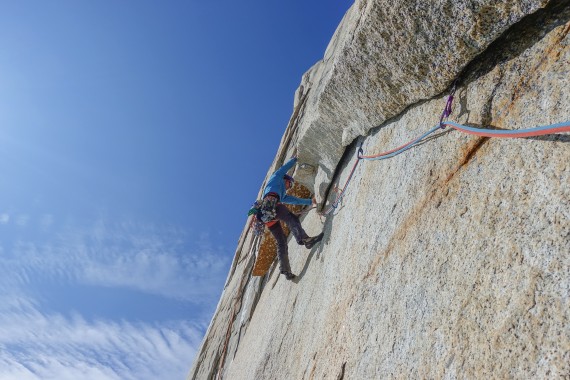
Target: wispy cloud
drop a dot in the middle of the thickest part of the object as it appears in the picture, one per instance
(161, 261)
(39, 341)
(37, 345)
(4, 218)
(22, 220)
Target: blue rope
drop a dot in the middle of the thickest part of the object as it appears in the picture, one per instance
(402, 150)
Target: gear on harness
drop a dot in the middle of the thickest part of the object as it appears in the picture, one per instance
(257, 225)
(267, 213)
(264, 213)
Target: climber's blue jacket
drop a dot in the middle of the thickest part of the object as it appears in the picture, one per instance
(276, 184)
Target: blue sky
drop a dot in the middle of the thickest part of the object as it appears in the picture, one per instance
(134, 135)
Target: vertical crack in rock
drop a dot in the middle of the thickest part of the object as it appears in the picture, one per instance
(361, 6)
(343, 163)
(212, 371)
(341, 374)
(236, 310)
(291, 130)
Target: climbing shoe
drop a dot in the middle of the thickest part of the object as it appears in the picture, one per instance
(288, 275)
(310, 242)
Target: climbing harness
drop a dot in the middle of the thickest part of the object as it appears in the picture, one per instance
(531, 132)
(264, 210)
(264, 213)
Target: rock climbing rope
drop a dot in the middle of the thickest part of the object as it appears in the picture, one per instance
(530, 132)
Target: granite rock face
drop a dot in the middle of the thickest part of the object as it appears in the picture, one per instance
(451, 260)
(386, 56)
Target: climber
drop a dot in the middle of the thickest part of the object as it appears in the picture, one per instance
(271, 211)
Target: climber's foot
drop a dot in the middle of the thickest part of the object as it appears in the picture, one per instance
(288, 275)
(310, 242)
